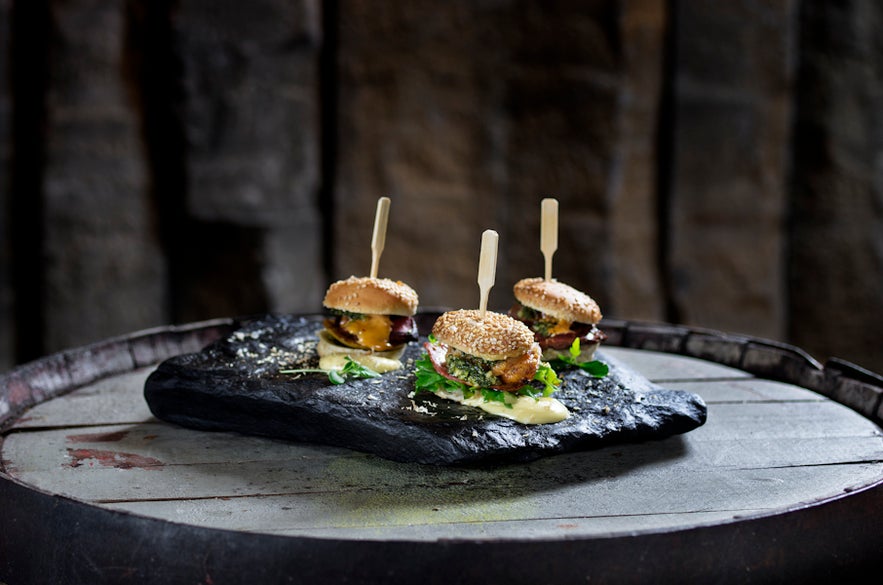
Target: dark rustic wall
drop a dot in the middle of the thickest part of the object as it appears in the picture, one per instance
(7, 300)
(835, 251)
(102, 267)
(732, 84)
(463, 120)
(717, 164)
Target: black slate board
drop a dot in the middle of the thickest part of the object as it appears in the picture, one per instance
(235, 385)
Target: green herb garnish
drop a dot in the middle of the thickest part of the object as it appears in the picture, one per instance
(349, 314)
(547, 375)
(351, 370)
(596, 368)
(491, 395)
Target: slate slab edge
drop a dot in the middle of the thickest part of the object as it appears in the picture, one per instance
(234, 385)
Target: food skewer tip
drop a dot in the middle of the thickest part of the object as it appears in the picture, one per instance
(378, 240)
(548, 233)
(487, 267)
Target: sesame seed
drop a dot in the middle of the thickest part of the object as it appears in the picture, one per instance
(493, 336)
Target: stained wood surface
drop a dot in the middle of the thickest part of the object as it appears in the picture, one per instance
(767, 447)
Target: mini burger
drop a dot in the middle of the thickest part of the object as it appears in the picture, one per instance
(558, 314)
(371, 321)
(492, 362)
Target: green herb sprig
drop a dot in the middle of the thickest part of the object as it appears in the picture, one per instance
(351, 315)
(351, 370)
(547, 375)
(596, 368)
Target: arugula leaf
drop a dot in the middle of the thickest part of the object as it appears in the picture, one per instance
(491, 395)
(547, 375)
(596, 368)
(427, 379)
(530, 392)
(351, 370)
(354, 370)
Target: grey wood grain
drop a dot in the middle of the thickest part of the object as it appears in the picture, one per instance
(767, 447)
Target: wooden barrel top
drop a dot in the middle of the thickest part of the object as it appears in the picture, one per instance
(785, 480)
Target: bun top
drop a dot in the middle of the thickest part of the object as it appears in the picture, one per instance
(494, 337)
(373, 296)
(557, 299)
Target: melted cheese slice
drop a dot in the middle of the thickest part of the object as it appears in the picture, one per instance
(563, 326)
(523, 409)
(371, 331)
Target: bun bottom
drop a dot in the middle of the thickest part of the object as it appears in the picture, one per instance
(586, 353)
(332, 355)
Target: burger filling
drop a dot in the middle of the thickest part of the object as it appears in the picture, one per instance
(514, 374)
(372, 332)
(518, 388)
(473, 370)
(508, 374)
(553, 333)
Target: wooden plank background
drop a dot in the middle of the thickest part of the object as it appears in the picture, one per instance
(170, 161)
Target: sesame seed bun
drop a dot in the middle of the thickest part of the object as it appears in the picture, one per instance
(557, 300)
(494, 337)
(374, 296)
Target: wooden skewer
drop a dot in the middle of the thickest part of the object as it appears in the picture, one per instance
(549, 233)
(378, 240)
(487, 267)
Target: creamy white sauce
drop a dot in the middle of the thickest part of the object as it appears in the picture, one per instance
(523, 409)
(379, 364)
(332, 356)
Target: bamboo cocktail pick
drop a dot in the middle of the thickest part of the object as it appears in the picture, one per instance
(487, 267)
(378, 240)
(549, 233)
